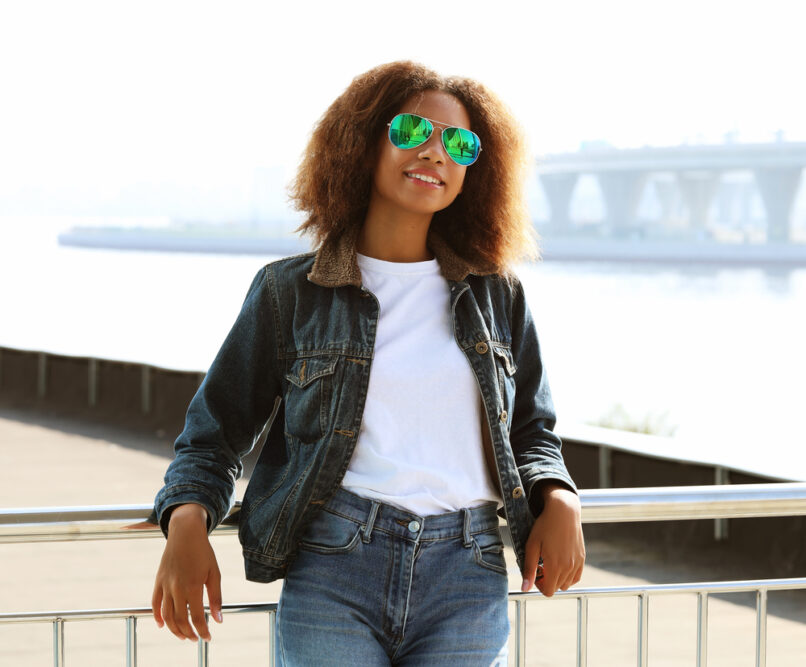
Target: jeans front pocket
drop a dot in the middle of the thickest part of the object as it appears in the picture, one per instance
(488, 550)
(331, 534)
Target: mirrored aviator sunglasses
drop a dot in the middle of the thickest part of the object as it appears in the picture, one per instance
(408, 130)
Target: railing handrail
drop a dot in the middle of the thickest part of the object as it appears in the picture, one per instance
(710, 587)
(668, 503)
(598, 506)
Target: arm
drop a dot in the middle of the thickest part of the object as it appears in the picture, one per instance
(226, 416)
(556, 535)
(224, 420)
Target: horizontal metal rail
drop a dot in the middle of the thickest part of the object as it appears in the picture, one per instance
(643, 595)
(54, 524)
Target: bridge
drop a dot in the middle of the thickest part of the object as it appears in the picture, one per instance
(691, 172)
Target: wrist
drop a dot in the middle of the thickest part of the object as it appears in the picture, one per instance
(188, 514)
(549, 488)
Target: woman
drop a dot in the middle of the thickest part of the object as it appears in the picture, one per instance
(398, 371)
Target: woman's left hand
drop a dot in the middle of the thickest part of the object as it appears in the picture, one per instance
(556, 538)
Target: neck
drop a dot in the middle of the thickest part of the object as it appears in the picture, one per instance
(395, 236)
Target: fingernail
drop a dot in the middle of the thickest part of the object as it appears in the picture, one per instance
(218, 617)
(525, 586)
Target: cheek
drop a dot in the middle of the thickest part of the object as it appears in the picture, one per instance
(460, 181)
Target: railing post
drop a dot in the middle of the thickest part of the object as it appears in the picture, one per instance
(145, 389)
(272, 638)
(605, 467)
(58, 642)
(761, 627)
(42, 375)
(131, 641)
(582, 631)
(204, 648)
(92, 382)
(721, 477)
(702, 629)
(643, 629)
(520, 633)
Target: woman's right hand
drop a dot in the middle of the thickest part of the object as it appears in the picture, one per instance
(188, 565)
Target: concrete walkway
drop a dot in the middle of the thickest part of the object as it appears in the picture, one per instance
(48, 462)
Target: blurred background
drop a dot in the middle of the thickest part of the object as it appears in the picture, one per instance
(145, 149)
(669, 140)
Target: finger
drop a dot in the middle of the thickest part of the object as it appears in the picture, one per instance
(156, 603)
(530, 565)
(214, 595)
(197, 615)
(548, 584)
(168, 616)
(181, 621)
(573, 577)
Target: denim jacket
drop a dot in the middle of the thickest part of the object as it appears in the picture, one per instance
(297, 361)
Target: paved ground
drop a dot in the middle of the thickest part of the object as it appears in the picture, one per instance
(49, 462)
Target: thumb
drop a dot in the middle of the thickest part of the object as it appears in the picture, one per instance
(214, 595)
(531, 565)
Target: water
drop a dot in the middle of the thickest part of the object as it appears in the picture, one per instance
(714, 355)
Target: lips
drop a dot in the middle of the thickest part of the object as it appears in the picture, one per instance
(425, 177)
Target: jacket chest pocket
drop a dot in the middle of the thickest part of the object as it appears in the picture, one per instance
(308, 397)
(505, 370)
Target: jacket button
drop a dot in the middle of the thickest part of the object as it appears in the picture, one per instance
(517, 492)
(481, 348)
(503, 416)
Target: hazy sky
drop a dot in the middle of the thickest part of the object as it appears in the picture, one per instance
(104, 92)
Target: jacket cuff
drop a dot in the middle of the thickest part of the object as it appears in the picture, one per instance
(171, 497)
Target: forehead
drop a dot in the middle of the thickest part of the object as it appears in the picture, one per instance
(439, 106)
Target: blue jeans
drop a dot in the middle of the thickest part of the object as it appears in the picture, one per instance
(376, 585)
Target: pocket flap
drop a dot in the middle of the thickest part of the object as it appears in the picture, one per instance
(505, 355)
(306, 370)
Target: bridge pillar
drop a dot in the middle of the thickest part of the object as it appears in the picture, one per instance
(778, 187)
(668, 196)
(622, 192)
(698, 189)
(559, 188)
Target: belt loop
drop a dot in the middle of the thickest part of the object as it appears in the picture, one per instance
(373, 512)
(467, 540)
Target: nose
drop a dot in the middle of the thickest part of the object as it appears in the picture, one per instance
(433, 149)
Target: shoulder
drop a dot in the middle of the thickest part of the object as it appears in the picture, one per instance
(505, 287)
(292, 265)
(285, 271)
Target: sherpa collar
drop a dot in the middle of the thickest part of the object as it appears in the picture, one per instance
(336, 264)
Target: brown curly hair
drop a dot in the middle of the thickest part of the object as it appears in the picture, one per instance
(487, 224)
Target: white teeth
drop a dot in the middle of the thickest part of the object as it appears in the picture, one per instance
(427, 179)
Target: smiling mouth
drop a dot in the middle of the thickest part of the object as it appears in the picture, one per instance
(425, 179)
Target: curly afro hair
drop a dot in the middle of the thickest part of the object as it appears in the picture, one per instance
(487, 224)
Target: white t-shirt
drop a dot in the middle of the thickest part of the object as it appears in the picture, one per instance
(420, 445)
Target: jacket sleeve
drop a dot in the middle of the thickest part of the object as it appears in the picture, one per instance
(228, 413)
(536, 447)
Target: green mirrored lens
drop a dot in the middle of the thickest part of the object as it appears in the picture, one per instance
(461, 145)
(409, 131)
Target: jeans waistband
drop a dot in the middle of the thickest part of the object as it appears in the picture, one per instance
(375, 515)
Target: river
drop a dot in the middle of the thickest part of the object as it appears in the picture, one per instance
(709, 354)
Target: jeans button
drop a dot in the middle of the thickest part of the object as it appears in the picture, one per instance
(414, 526)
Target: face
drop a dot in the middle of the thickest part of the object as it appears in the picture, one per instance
(421, 180)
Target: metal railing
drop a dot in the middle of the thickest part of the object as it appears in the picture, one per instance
(598, 506)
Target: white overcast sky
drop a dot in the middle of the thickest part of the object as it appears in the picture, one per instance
(110, 91)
